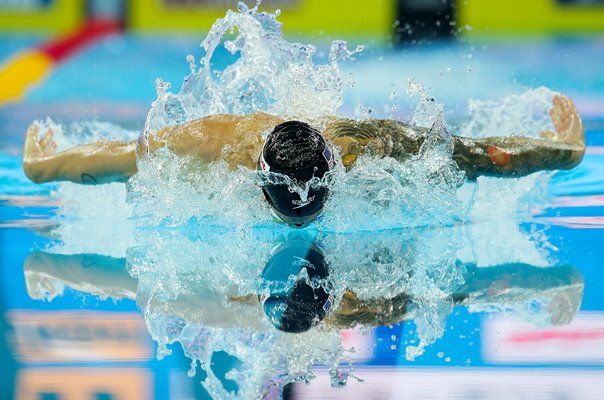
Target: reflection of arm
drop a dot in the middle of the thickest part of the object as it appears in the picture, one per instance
(560, 287)
(505, 284)
(203, 306)
(107, 277)
(91, 273)
(489, 282)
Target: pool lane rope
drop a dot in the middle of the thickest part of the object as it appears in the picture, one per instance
(30, 67)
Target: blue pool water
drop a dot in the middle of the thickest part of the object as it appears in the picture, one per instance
(83, 344)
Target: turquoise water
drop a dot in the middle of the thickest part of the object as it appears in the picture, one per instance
(77, 320)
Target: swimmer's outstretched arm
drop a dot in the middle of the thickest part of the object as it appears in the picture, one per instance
(518, 156)
(510, 156)
(93, 163)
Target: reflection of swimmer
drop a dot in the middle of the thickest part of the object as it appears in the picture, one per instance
(296, 292)
(299, 151)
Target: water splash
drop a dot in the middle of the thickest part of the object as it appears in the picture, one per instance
(270, 75)
(524, 114)
(200, 289)
(279, 77)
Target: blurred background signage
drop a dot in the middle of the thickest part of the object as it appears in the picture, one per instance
(381, 20)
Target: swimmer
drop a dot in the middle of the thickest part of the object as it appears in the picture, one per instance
(301, 152)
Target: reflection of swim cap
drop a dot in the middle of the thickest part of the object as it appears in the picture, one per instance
(296, 303)
(299, 151)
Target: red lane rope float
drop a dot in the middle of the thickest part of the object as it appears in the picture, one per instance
(30, 67)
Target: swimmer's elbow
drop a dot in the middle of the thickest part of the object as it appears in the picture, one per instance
(569, 158)
(31, 172)
(576, 156)
(36, 172)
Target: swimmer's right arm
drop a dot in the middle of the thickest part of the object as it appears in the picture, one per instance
(205, 140)
(93, 163)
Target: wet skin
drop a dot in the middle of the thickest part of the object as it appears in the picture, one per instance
(239, 140)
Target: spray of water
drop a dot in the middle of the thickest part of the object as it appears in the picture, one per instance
(270, 75)
(273, 75)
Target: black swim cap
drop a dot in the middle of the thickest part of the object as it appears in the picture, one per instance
(299, 151)
(295, 304)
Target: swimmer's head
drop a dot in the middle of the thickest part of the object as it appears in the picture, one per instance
(299, 151)
(295, 288)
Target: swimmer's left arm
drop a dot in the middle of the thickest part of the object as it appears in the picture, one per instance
(494, 156)
(518, 156)
(513, 156)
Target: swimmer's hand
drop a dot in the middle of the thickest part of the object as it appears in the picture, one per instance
(569, 128)
(36, 150)
(36, 147)
(567, 300)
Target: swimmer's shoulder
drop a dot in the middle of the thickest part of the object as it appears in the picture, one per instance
(260, 121)
(254, 123)
(228, 120)
(368, 128)
(223, 124)
(206, 137)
